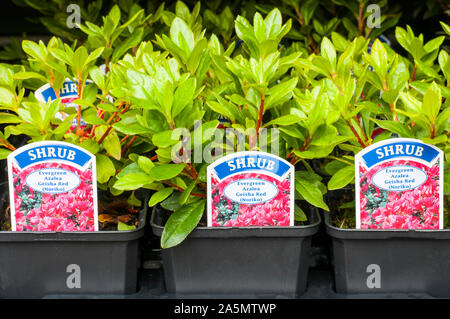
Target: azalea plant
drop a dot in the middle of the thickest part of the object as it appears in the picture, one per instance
(312, 20)
(88, 124)
(162, 94)
(379, 94)
(199, 81)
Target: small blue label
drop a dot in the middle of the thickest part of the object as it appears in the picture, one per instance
(43, 153)
(400, 150)
(69, 89)
(250, 163)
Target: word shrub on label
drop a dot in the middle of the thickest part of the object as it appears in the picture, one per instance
(250, 189)
(398, 188)
(52, 188)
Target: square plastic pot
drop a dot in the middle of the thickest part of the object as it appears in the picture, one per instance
(36, 264)
(390, 261)
(239, 261)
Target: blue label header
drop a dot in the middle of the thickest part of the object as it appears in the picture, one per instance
(69, 89)
(399, 150)
(246, 163)
(47, 152)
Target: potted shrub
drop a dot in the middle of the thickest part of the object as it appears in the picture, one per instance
(379, 95)
(251, 90)
(55, 260)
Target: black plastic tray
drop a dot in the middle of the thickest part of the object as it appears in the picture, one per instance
(390, 261)
(247, 260)
(36, 264)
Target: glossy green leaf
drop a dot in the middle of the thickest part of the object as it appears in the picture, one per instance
(181, 223)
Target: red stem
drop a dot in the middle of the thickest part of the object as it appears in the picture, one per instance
(182, 190)
(129, 144)
(355, 133)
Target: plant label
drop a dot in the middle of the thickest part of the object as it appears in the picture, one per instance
(52, 187)
(399, 185)
(68, 93)
(250, 189)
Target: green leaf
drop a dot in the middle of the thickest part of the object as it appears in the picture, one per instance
(145, 163)
(222, 109)
(94, 55)
(112, 145)
(280, 93)
(159, 196)
(134, 201)
(166, 171)
(89, 144)
(124, 227)
(310, 193)
(132, 181)
(8, 118)
(394, 126)
(328, 51)
(4, 153)
(181, 223)
(164, 139)
(433, 44)
(90, 116)
(285, 120)
(445, 27)
(127, 128)
(185, 195)
(432, 102)
(181, 34)
(29, 75)
(7, 98)
(342, 177)
(379, 55)
(299, 214)
(183, 96)
(105, 168)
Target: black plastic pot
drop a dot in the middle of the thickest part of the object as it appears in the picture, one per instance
(239, 261)
(390, 261)
(35, 264)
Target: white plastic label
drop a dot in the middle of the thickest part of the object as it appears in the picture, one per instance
(52, 187)
(399, 185)
(250, 189)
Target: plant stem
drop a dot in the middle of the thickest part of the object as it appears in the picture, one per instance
(260, 115)
(182, 190)
(350, 125)
(79, 132)
(394, 112)
(360, 18)
(7, 145)
(340, 160)
(124, 139)
(413, 76)
(110, 120)
(129, 144)
(192, 170)
(365, 139)
(306, 144)
(253, 141)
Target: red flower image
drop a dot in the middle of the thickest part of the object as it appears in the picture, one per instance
(70, 211)
(274, 212)
(416, 208)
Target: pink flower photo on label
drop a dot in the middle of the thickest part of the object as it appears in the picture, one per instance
(39, 211)
(416, 208)
(229, 213)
